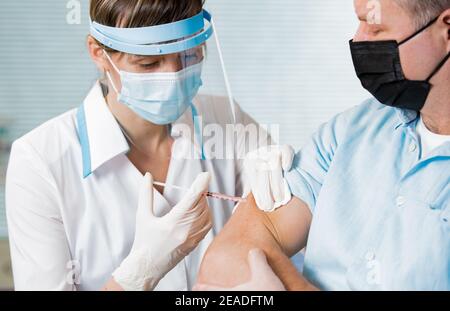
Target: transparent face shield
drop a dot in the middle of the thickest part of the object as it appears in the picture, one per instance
(173, 71)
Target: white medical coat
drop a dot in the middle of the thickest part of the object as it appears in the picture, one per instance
(71, 197)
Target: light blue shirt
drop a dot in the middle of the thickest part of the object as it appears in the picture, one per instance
(381, 212)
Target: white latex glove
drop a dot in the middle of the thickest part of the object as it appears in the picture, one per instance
(160, 243)
(262, 277)
(263, 170)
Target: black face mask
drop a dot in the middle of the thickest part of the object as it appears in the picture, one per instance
(377, 65)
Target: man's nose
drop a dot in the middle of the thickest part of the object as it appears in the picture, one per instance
(361, 34)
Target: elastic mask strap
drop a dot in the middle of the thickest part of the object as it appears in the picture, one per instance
(441, 64)
(109, 75)
(110, 60)
(112, 82)
(420, 30)
(197, 129)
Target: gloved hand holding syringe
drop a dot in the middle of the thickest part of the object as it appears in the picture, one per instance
(214, 195)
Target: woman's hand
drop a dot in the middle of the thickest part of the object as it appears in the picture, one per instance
(263, 170)
(262, 276)
(160, 243)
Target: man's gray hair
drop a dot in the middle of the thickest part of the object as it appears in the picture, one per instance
(423, 11)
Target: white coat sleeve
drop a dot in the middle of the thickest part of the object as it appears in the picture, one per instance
(39, 249)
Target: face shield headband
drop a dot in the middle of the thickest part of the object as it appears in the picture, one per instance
(156, 40)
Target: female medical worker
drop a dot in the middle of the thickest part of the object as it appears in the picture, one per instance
(81, 216)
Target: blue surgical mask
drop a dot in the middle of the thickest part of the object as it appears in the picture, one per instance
(160, 98)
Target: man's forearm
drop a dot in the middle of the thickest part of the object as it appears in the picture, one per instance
(292, 279)
(225, 263)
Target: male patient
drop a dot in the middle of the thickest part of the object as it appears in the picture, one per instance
(371, 189)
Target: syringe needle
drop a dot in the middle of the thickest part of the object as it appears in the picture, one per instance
(214, 195)
(221, 196)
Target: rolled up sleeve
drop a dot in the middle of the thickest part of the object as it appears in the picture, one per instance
(312, 162)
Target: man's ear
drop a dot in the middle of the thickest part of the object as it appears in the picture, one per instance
(97, 54)
(446, 19)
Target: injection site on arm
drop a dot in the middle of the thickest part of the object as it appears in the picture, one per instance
(279, 234)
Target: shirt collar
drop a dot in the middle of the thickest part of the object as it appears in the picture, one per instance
(102, 139)
(405, 117)
(100, 135)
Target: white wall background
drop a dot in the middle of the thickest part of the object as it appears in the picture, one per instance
(288, 62)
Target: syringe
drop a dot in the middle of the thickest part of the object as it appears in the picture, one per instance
(214, 195)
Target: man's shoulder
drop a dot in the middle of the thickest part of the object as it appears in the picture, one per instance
(369, 114)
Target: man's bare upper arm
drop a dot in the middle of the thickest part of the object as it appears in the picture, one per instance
(291, 225)
(279, 234)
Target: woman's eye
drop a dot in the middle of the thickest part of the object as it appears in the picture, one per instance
(151, 65)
